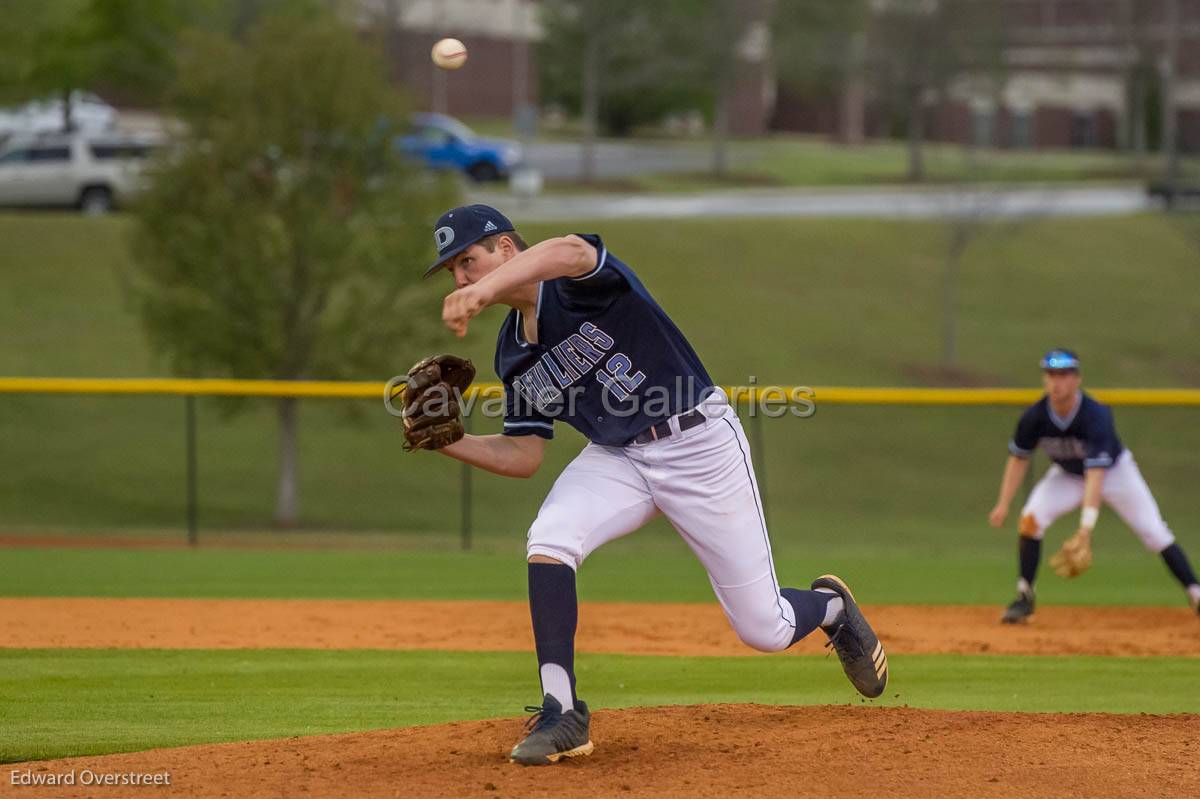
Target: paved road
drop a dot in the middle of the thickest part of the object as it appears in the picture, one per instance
(879, 203)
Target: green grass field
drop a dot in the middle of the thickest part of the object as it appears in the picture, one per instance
(891, 498)
(800, 160)
(816, 302)
(648, 567)
(809, 301)
(812, 161)
(58, 702)
(67, 702)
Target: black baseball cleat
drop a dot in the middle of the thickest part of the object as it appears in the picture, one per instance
(857, 645)
(1020, 609)
(553, 734)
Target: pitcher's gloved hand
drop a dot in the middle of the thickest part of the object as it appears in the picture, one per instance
(432, 417)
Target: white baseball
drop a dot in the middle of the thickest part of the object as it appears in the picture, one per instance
(449, 54)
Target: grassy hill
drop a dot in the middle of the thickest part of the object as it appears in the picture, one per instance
(818, 302)
(811, 301)
(786, 159)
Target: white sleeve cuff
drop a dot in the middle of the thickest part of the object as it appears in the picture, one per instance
(543, 429)
(599, 264)
(1018, 451)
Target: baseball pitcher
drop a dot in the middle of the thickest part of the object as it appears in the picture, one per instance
(585, 343)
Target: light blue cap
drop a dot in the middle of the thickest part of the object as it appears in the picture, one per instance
(1060, 359)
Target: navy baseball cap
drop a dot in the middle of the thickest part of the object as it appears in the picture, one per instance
(459, 228)
(1060, 359)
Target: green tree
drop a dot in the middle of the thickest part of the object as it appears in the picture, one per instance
(134, 40)
(809, 45)
(621, 63)
(281, 238)
(52, 47)
(918, 48)
(46, 48)
(821, 49)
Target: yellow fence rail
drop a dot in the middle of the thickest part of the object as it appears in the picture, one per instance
(778, 396)
(836, 395)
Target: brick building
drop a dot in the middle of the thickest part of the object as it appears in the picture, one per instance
(501, 73)
(1073, 73)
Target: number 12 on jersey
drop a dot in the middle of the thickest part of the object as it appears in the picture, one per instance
(616, 377)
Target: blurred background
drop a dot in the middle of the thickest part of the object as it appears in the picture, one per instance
(821, 193)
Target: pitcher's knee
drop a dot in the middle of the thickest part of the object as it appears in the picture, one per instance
(554, 538)
(543, 552)
(1028, 526)
(544, 559)
(1156, 539)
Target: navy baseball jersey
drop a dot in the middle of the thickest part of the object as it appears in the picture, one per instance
(608, 360)
(1085, 439)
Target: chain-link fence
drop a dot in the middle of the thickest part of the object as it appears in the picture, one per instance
(187, 460)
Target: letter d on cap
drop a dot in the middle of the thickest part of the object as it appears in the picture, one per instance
(444, 236)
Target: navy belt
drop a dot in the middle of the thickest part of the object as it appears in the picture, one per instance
(663, 429)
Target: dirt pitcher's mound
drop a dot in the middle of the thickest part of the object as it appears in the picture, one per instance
(604, 627)
(707, 750)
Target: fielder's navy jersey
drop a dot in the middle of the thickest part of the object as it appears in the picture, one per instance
(1085, 439)
(608, 360)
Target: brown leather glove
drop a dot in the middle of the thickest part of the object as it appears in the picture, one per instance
(432, 418)
(1075, 557)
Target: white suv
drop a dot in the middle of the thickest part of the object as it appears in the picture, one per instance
(94, 173)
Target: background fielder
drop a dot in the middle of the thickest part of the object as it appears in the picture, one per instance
(1090, 466)
(586, 343)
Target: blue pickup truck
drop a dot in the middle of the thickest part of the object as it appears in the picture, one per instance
(442, 142)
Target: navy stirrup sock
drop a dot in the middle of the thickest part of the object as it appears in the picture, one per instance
(809, 607)
(1177, 562)
(1029, 552)
(554, 610)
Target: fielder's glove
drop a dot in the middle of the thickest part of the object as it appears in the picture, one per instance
(1075, 557)
(432, 419)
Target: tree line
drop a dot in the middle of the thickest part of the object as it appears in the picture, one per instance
(280, 236)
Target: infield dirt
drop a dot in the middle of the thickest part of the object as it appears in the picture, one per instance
(605, 627)
(707, 750)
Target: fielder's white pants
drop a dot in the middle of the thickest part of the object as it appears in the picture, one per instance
(1124, 490)
(703, 481)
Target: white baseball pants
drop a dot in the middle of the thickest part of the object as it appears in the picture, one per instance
(703, 481)
(1124, 490)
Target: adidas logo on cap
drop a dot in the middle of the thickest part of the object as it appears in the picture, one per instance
(489, 227)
